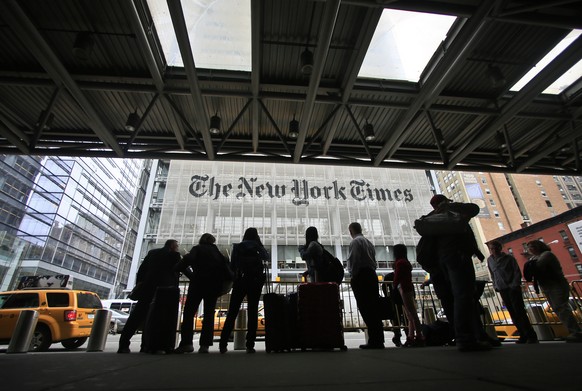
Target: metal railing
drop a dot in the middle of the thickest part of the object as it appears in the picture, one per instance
(429, 308)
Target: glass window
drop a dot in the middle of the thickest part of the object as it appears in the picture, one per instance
(88, 300)
(20, 300)
(57, 299)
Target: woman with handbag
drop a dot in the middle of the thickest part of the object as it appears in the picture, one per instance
(207, 270)
(403, 282)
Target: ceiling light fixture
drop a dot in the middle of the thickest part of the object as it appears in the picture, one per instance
(132, 122)
(214, 124)
(307, 62)
(496, 76)
(369, 132)
(49, 120)
(293, 128)
(500, 140)
(83, 46)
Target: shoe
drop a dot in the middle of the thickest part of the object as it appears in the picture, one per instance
(574, 337)
(372, 346)
(474, 346)
(184, 349)
(419, 342)
(223, 349)
(123, 350)
(409, 342)
(532, 341)
(396, 341)
(203, 349)
(251, 350)
(493, 342)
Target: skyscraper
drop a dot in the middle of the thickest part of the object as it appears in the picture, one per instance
(73, 216)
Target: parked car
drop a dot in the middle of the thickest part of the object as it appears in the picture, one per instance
(118, 320)
(123, 305)
(220, 317)
(65, 315)
(505, 328)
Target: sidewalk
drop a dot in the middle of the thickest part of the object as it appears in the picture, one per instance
(549, 365)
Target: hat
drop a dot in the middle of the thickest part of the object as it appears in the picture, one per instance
(436, 200)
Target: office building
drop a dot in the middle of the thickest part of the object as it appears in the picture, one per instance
(189, 198)
(69, 216)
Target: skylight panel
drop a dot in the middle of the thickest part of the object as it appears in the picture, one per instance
(403, 43)
(563, 81)
(219, 32)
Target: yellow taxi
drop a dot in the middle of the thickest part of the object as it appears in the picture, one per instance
(220, 317)
(505, 329)
(64, 315)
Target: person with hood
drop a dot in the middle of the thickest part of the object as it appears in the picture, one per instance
(247, 262)
(206, 268)
(506, 278)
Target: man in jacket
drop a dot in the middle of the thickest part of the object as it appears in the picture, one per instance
(506, 278)
(157, 269)
(362, 267)
(454, 275)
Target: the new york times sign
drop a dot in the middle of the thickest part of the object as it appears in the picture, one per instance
(300, 191)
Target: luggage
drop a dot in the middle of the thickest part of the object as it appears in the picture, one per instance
(159, 333)
(281, 333)
(320, 316)
(438, 333)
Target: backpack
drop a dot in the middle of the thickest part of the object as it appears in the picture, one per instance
(333, 269)
(426, 253)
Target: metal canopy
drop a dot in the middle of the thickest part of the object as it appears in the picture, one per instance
(53, 102)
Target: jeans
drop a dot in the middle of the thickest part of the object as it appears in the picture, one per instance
(195, 296)
(454, 284)
(558, 296)
(365, 288)
(513, 300)
(251, 288)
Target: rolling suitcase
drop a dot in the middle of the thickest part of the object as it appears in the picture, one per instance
(281, 332)
(320, 316)
(159, 333)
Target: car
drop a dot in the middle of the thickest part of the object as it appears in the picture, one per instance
(65, 315)
(123, 305)
(505, 329)
(118, 320)
(220, 317)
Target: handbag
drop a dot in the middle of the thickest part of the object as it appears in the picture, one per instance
(137, 291)
(426, 253)
(227, 280)
(386, 307)
(438, 224)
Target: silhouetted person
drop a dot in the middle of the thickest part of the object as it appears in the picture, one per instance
(247, 262)
(156, 270)
(208, 270)
(362, 267)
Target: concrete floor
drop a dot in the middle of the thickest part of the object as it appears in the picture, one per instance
(546, 366)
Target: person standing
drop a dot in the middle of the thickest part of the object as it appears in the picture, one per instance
(506, 278)
(209, 268)
(550, 277)
(247, 262)
(454, 276)
(156, 270)
(311, 252)
(403, 282)
(364, 282)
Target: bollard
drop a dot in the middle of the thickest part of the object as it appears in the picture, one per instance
(23, 332)
(488, 323)
(99, 331)
(240, 335)
(429, 316)
(544, 331)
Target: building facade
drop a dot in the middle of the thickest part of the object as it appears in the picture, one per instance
(187, 199)
(562, 233)
(70, 216)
